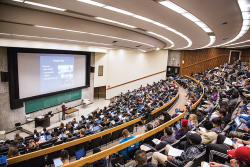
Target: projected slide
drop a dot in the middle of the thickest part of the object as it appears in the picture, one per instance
(56, 72)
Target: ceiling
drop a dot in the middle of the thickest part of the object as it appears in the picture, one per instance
(78, 25)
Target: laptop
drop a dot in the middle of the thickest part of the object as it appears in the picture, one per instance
(96, 128)
(245, 107)
(42, 137)
(99, 121)
(75, 125)
(48, 137)
(239, 124)
(57, 162)
(80, 153)
(177, 126)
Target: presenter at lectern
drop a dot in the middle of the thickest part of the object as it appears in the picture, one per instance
(63, 111)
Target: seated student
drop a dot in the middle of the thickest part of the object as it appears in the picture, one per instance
(64, 157)
(241, 158)
(199, 116)
(73, 121)
(38, 140)
(70, 136)
(141, 159)
(82, 132)
(127, 136)
(189, 154)
(210, 106)
(52, 137)
(61, 126)
(225, 118)
(6, 145)
(17, 145)
(63, 134)
(31, 147)
(45, 131)
(148, 140)
(183, 130)
(13, 152)
(217, 125)
(68, 128)
(35, 131)
(241, 133)
(101, 162)
(18, 136)
(233, 101)
(192, 121)
(56, 132)
(245, 117)
(209, 135)
(87, 129)
(168, 138)
(105, 120)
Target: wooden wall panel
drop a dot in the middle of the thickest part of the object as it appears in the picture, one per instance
(245, 56)
(195, 60)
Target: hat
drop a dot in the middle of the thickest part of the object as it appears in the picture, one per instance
(31, 140)
(184, 122)
(248, 123)
(195, 138)
(245, 70)
(242, 153)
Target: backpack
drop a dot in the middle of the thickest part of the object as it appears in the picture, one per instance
(3, 161)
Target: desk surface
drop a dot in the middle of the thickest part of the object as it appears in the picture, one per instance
(39, 119)
(71, 110)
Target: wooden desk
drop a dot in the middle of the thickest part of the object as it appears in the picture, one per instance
(72, 110)
(43, 122)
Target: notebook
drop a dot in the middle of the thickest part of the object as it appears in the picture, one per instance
(175, 152)
(57, 162)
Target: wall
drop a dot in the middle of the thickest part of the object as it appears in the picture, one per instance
(100, 60)
(124, 66)
(9, 117)
(195, 60)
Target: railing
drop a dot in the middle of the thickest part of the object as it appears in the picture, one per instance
(198, 101)
(119, 147)
(136, 80)
(38, 153)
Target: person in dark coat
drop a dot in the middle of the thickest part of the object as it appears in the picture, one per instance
(63, 111)
(101, 162)
(141, 159)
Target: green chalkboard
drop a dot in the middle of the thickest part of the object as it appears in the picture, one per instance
(38, 104)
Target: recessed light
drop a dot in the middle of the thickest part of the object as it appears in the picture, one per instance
(44, 6)
(225, 38)
(138, 46)
(114, 41)
(225, 23)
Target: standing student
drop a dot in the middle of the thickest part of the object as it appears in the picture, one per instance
(63, 111)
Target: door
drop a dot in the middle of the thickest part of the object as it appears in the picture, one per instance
(100, 92)
(234, 55)
(172, 71)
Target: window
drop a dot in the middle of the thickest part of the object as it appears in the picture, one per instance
(100, 71)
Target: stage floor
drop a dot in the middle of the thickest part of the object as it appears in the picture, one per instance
(97, 104)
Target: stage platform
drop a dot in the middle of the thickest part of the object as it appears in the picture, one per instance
(54, 121)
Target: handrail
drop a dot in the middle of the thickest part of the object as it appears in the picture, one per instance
(162, 107)
(119, 147)
(78, 141)
(68, 144)
(198, 101)
(136, 80)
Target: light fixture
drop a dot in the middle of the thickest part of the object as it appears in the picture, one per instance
(183, 12)
(18, 0)
(173, 6)
(172, 43)
(157, 48)
(92, 3)
(143, 18)
(45, 6)
(116, 22)
(54, 28)
(118, 10)
(239, 46)
(190, 17)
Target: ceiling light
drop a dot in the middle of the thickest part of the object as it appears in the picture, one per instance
(92, 3)
(100, 18)
(18, 0)
(206, 29)
(173, 6)
(157, 48)
(45, 6)
(93, 34)
(201, 24)
(4, 34)
(190, 17)
(162, 37)
(142, 50)
(143, 18)
(243, 5)
(161, 25)
(118, 10)
(245, 15)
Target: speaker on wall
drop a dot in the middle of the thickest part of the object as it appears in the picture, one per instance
(92, 69)
(4, 76)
